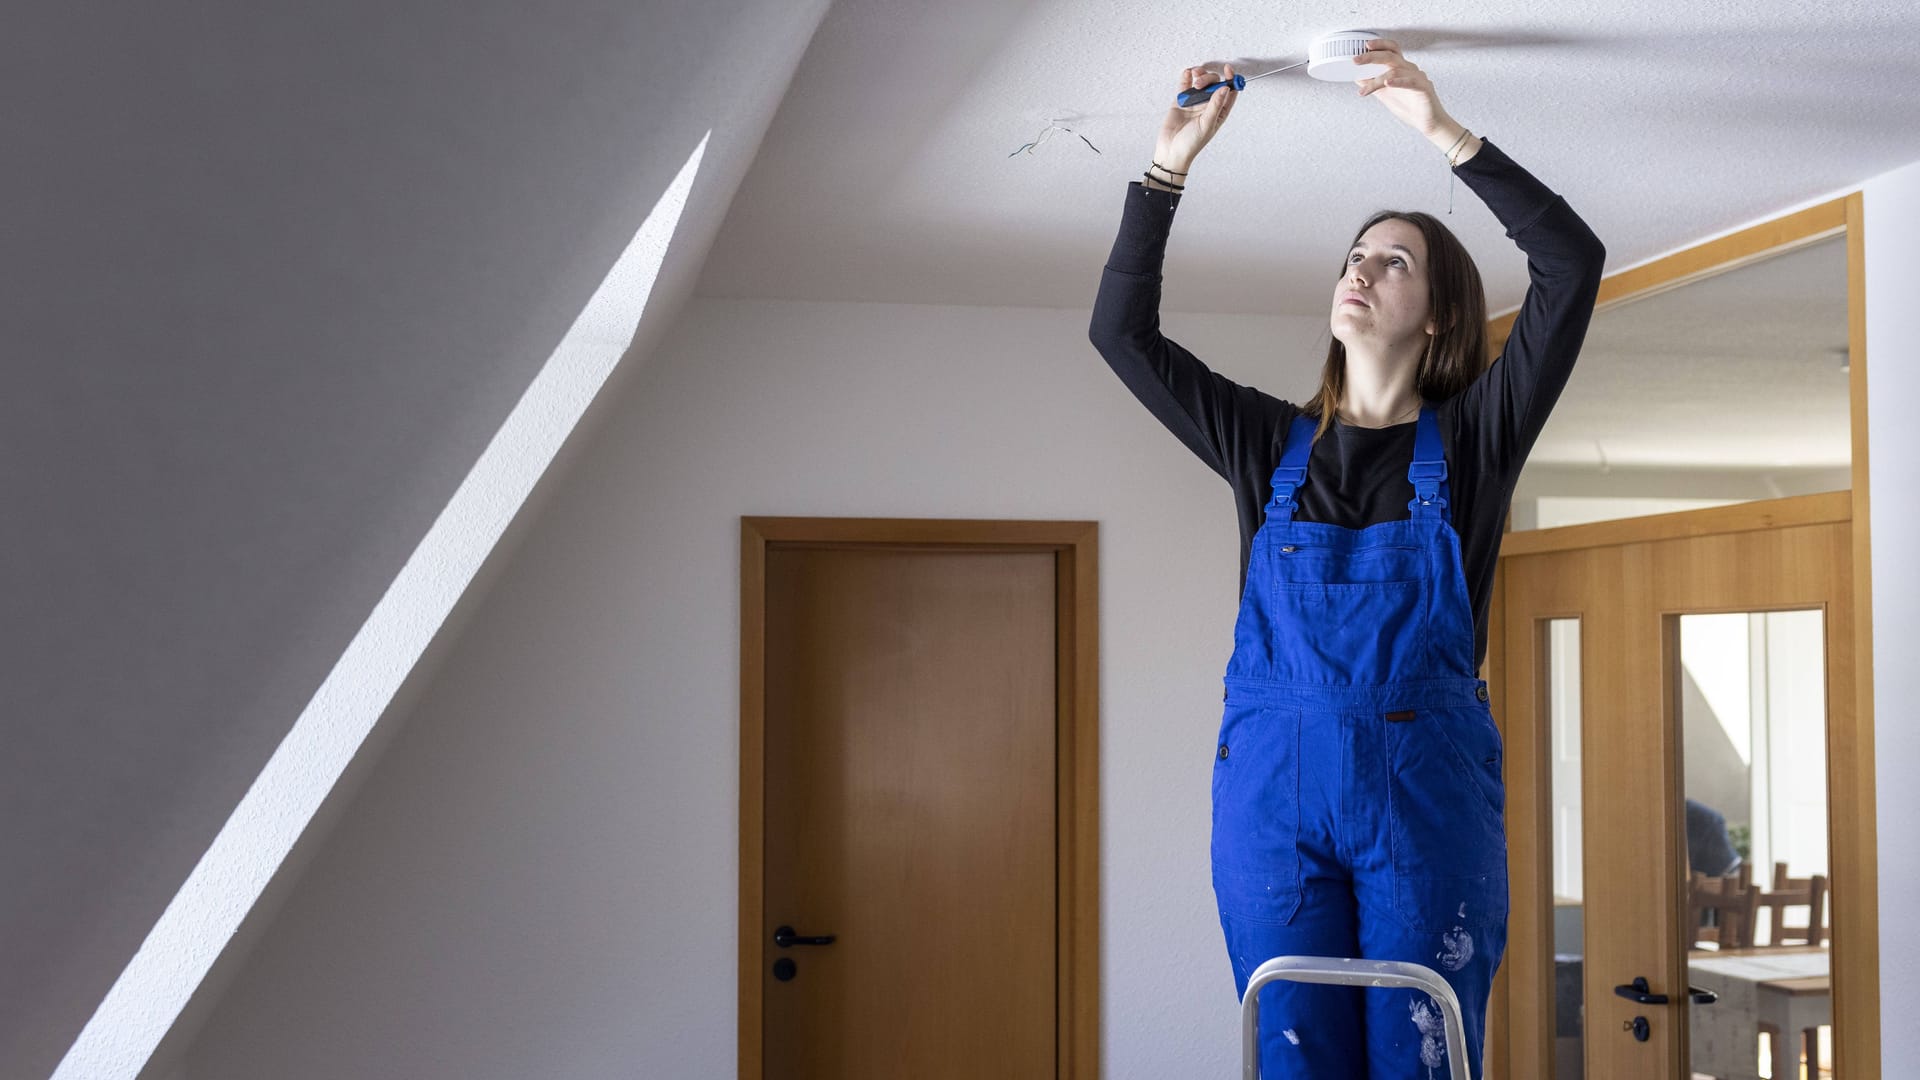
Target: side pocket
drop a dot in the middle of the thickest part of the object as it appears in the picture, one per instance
(1469, 731)
(1439, 904)
(1272, 896)
(1446, 829)
(1256, 812)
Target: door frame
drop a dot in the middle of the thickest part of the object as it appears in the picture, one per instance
(1075, 545)
(1850, 738)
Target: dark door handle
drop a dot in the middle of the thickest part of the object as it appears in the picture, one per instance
(1637, 990)
(785, 936)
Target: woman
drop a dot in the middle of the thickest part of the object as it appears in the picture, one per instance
(1357, 792)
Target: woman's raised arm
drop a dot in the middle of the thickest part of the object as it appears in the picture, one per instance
(1217, 418)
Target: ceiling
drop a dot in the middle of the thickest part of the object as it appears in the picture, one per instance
(886, 175)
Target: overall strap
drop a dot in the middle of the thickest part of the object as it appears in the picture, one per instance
(1292, 471)
(1428, 473)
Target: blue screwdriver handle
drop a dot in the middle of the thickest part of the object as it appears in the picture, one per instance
(1199, 94)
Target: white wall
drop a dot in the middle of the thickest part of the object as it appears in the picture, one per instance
(1892, 209)
(540, 876)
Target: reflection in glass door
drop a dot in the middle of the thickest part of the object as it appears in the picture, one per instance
(1562, 680)
(1753, 712)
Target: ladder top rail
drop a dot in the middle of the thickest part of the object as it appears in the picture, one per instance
(1343, 971)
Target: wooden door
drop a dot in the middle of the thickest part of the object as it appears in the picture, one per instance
(1619, 590)
(924, 808)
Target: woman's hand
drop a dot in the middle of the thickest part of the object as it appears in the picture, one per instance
(1188, 128)
(1403, 88)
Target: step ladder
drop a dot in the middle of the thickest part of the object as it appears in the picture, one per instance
(1344, 972)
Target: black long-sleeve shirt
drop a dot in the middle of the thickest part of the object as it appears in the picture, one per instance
(1359, 475)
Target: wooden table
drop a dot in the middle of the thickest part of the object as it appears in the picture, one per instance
(1784, 991)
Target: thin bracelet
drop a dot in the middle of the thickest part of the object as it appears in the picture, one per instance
(1149, 176)
(1164, 169)
(1453, 162)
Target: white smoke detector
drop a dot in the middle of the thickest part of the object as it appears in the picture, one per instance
(1330, 56)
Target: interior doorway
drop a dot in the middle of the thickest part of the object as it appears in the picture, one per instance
(919, 804)
(1687, 703)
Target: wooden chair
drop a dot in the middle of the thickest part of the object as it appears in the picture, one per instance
(1809, 892)
(1734, 901)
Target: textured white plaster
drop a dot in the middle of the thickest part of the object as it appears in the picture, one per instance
(1661, 124)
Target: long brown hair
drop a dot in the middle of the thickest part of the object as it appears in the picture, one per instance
(1458, 352)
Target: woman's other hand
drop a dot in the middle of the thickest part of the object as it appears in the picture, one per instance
(1187, 128)
(1403, 88)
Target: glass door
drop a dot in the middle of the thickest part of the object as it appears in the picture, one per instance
(1667, 684)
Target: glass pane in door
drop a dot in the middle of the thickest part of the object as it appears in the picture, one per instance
(1561, 656)
(1753, 709)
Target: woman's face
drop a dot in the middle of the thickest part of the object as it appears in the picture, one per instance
(1387, 268)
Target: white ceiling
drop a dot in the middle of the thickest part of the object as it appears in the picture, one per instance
(886, 176)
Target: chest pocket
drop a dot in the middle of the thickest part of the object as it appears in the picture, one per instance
(1348, 634)
(1348, 616)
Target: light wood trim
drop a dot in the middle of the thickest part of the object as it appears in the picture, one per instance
(1765, 240)
(1079, 762)
(1076, 548)
(1853, 836)
(753, 793)
(1520, 1040)
(1759, 515)
(1674, 782)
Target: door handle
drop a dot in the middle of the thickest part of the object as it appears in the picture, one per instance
(1637, 990)
(785, 937)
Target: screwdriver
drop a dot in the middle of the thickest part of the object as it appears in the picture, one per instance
(1198, 94)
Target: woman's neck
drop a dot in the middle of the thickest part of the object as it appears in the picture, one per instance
(1356, 412)
(1380, 389)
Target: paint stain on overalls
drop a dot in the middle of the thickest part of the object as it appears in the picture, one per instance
(1357, 794)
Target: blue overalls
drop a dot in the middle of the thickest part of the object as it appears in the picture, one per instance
(1357, 793)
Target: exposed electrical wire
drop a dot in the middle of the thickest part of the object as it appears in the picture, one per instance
(1053, 125)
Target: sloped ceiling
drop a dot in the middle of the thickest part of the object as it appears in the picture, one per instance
(272, 278)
